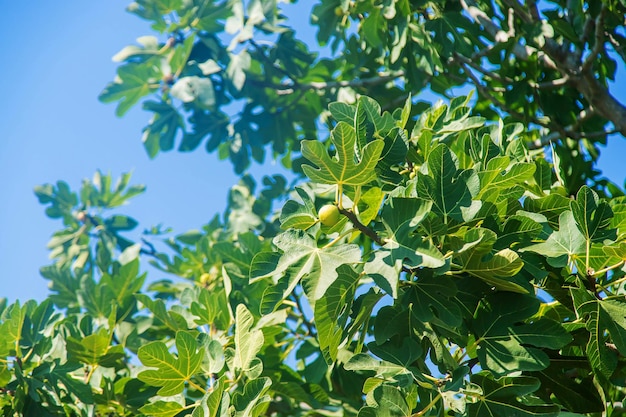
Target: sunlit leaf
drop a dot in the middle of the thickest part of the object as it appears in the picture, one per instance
(172, 372)
(341, 169)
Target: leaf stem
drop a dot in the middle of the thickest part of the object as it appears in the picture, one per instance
(608, 268)
(196, 386)
(339, 195)
(357, 197)
(338, 238)
(90, 374)
(604, 270)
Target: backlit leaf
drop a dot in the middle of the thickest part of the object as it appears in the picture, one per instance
(172, 372)
(342, 169)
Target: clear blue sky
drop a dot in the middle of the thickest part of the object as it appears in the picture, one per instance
(57, 60)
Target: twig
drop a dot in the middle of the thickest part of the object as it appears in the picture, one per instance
(599, 40)
(284, 89)
(544, 141)
(271, 63)
(306, 322)
(584, 38)
(615, 43)
(520, 10)
(361, 227)
(395, 103)
(484, 91)
(482, 70)
(551, 137)
(534, 10)
(478, 55)
(522, 52)
(546, 85)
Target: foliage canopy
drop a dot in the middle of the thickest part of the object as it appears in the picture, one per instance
(476, 265)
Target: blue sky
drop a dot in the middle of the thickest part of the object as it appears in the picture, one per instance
(57, 60)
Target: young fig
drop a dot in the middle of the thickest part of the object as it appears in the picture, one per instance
(329, 215)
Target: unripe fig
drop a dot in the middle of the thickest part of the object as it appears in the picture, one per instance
(81, 216)
(205, 278)
(329, 215)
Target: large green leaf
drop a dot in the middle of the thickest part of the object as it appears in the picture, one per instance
(591, 214)
(253, 401)
(168, 318)
(303, 260)
(550, 206)
(393, 155)
(383, 123)
(578, 394)
(161, 132)
(506, 344)
(386, 401)
(383, 368)
(403, 244)
(567, 241)
(12, 326)
(342, 169)
(333, 310)
(172, 372)
(211, 308)
(134, 81)
(434, 297)
(501, 173)
(92, 348)
(476, 258)
(450, 191)
(606, 320)
(504, 398)
(248, 341)
(298, 216)
(214, 403)
(124, 284)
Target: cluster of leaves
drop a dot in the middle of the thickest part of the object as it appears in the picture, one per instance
(461, 279)
(467, 273)
(234, 76)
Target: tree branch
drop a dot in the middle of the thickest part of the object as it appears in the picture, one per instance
(477, 67)
(551, 137)
(534, 10)
(520, 51)
(269, 62)
(581, 76)
(309, 326)
(599, 41)
(361, 227)
(547, 85)
(284, 89)
(486, 93)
